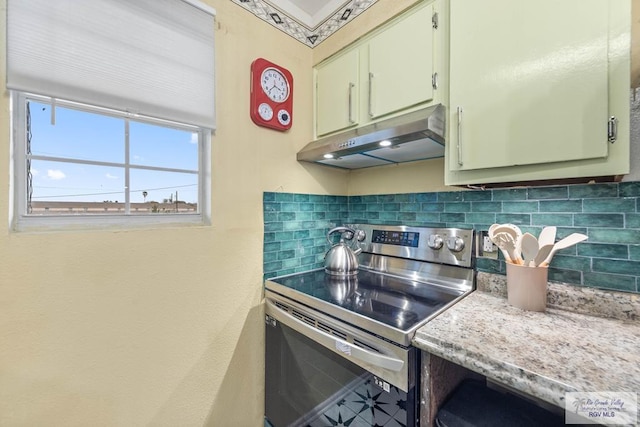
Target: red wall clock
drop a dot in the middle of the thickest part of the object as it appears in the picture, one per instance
(271, 95)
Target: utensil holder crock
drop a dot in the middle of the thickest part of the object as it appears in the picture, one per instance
(527, 287)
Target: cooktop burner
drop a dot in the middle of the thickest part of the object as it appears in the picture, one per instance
(394, 301)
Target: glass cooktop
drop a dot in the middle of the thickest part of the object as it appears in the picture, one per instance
(397, 302)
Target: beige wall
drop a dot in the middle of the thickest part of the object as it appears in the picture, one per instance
(413, 177)
(158, 326)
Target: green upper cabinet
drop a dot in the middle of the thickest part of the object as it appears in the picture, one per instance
(388, 72)
(532, 88)
(337, 97)
(401, 64)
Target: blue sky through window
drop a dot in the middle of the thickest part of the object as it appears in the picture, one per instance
(93, 137)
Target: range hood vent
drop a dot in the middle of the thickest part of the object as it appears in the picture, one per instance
(414, 136)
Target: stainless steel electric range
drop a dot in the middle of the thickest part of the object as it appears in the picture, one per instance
(338, 348)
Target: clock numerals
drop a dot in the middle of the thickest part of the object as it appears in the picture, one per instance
(274, 85)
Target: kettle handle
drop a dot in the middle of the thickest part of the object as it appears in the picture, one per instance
(341, 229)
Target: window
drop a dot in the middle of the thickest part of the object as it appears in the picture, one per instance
(112, 118)
(76, 161)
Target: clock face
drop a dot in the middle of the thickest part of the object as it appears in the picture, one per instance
(284, 117)
(274, 85)
(265, 111)
(271, 100)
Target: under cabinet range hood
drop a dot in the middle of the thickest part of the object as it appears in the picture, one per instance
(414, 136)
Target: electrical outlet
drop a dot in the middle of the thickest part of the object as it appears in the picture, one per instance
(487, 245)
(486, 248)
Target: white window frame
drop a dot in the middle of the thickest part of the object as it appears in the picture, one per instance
(20, 220)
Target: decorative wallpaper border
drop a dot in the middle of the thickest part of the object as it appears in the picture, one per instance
(298, 30)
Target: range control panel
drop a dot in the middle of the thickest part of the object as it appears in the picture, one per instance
(452, 246)
(400, 238)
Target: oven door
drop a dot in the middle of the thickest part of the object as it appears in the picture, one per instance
(308, 383)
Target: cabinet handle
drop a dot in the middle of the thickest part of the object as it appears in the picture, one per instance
(351, 86)
(370, 94)
(612, 129)
(460, 136)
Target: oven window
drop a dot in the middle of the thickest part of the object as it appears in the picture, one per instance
(309, 385)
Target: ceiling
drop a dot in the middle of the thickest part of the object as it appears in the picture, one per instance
(308, 21)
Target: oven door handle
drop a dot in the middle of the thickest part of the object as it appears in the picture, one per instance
(336, 344)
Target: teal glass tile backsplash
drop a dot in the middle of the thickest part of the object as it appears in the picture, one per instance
(295, 229)
(296, 224)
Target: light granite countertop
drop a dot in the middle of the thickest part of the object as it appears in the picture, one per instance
(543, 354)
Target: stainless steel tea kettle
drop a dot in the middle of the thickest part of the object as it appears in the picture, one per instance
(341, 260)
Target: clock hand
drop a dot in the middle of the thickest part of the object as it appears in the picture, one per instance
(276, 88)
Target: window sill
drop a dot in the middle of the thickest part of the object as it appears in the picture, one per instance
(98, 222)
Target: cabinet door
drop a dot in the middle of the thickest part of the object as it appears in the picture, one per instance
(401, 64)
(528, 82)
(337, 88)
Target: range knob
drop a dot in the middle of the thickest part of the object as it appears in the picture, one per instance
(435, 241)
(455, 244)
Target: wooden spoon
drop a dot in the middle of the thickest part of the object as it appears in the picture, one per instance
(529, 246)
(547, 236)
(570, 240)
(543, 253)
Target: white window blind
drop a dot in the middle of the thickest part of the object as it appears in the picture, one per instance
(150, 57)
